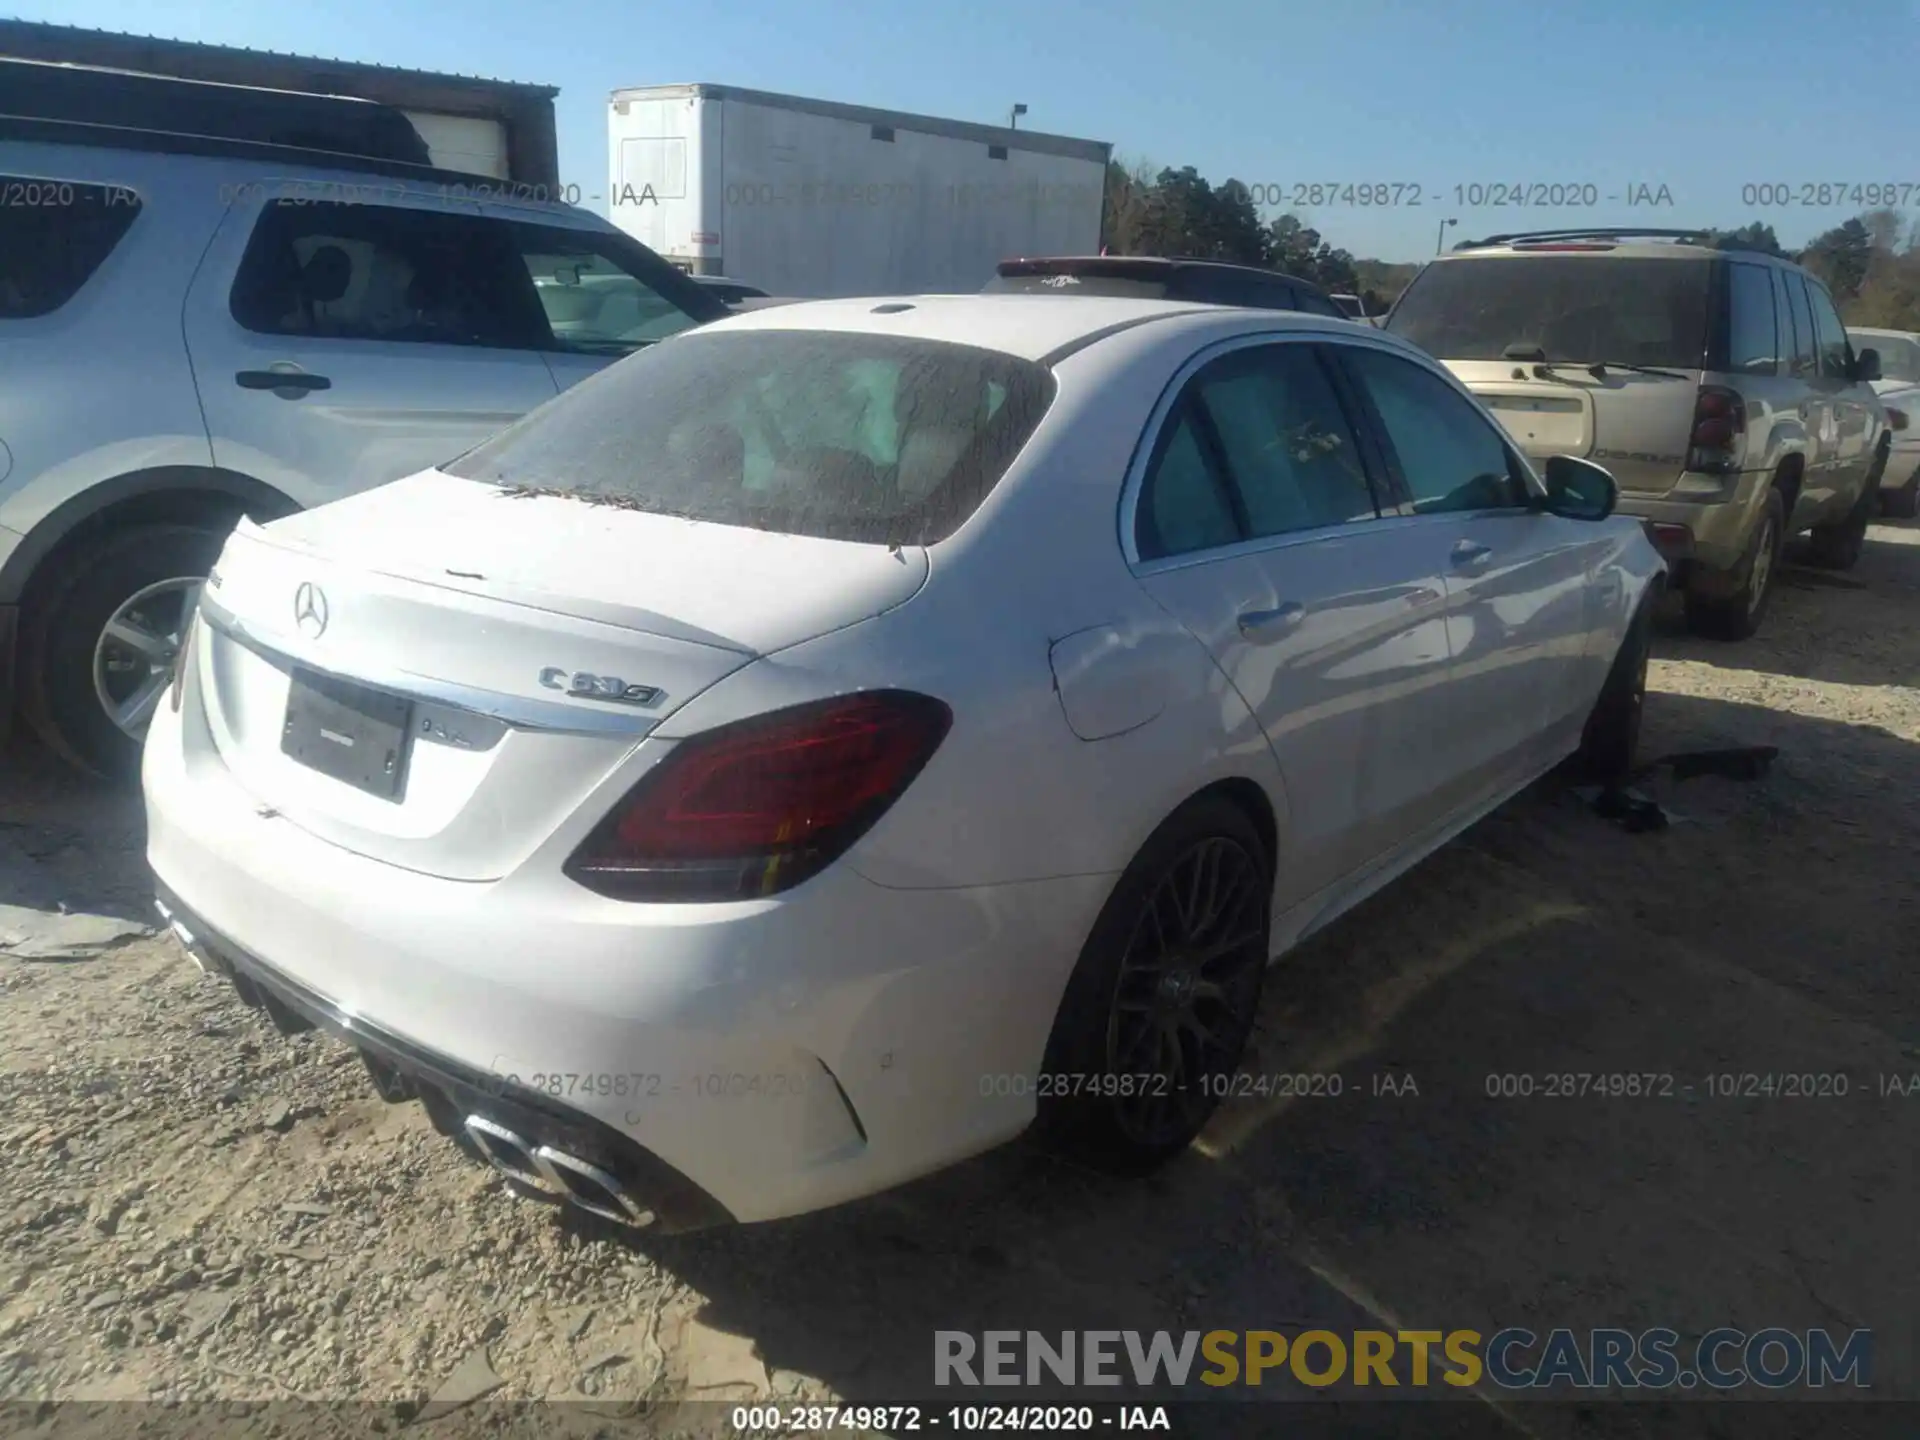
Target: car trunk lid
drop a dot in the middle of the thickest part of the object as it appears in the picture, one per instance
(437, 674)
(1635, 425)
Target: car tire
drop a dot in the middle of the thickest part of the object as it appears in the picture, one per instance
(1177, 956)
(1838, 547)
(1737, 616)
(70, 668)
(1903, 503)
(1612, 734)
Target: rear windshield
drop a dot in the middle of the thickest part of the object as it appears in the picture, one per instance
(1899, 356)
(1634, 310)
(1110, 285)
(869, 438)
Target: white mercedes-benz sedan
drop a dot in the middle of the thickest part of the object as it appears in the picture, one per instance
(831, 741)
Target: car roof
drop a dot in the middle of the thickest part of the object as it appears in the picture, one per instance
(1033, 327)
(1600, 249)
(1135, 266)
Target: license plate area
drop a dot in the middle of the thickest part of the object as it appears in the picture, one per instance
(1542, 424)
(357, 735)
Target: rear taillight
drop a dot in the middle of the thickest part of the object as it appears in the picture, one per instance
(1897, 419)
(757, 807)
(1719, 430)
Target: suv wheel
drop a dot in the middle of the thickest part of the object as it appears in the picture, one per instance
(1838, 547)
(101, 639)
(1737, 616)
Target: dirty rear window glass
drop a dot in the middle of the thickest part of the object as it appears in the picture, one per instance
(1581, 308)
(870, 438)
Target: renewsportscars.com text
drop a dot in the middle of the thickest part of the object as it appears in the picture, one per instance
(1511, 1359)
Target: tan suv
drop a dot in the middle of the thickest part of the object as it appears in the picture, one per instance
(1717, 385)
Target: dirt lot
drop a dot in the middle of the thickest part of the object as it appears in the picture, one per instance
(192, 1206)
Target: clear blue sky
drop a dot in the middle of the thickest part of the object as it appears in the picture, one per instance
(1700, 97)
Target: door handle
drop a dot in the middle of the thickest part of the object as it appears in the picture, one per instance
(1259, 625)
(1470, 552)
(281, 380)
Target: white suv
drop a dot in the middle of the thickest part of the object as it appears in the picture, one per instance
(193, 331)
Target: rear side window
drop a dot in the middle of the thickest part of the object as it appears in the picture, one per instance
(1806, 351)
(54, 234)
(1753, 344)
(874, 438)
(1184, 505)
(1285, 439)
(386, 272)
(1258, 446)
(1639, 310)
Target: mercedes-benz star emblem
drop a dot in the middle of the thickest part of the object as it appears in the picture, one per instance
(310, 610)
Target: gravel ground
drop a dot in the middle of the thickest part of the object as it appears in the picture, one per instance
(194, 1207)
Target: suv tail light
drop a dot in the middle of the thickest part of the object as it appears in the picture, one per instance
(1719, 440)
(756, 807)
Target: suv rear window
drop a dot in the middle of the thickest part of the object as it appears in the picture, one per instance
(872, 438)
(1577, 308)
(54, 234)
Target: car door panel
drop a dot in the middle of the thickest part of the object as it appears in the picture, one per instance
(1855, 422)
(1520, 603)
(1331, 628)
(395, 357)
(1819, 477)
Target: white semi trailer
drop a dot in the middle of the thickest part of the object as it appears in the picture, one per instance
(814, 199)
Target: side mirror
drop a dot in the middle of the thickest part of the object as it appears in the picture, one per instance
(1579, 489)
(1866, 366)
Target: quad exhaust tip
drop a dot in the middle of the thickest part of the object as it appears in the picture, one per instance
(556, 1175)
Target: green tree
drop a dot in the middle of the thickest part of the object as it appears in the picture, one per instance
(1841, 257)
(1298, 249)
(1755, 236)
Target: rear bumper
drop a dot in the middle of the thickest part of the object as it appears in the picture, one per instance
(452, 1093)
(1715, 534)
(778, 1055)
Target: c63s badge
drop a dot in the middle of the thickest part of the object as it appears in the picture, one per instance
(598, 687)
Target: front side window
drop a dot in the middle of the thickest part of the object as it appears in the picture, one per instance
(385, 272)
(1451, 456)
(1836, 359)
(54, 234)
(880, 439)
(1806, 348)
